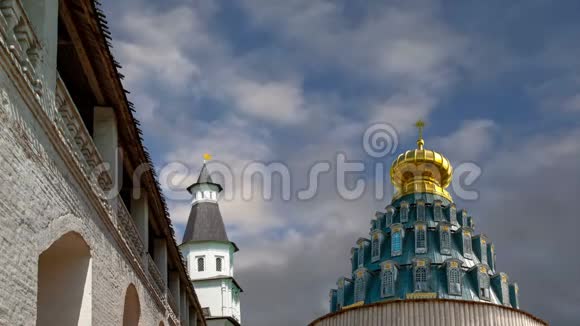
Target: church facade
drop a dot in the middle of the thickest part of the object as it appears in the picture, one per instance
(423, 263)
(210, 254)
(85, 236)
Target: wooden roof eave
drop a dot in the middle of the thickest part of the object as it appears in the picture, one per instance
(90, 24)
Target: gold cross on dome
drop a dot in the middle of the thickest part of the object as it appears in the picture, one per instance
(420, 124)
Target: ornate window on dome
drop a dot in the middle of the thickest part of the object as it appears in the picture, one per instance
(514, 296)
(464, 218)
(397, 235)
(332, 300)
(420, 210)
(389, 215)
(378, 219)
(471, 222)
(491, 256)
(421, 271)
(483, 283)
(354, 258)
(361, 254)
(404, 213)
(452, 214)
(454, 278)
(420, 238)
(483, 244)
(467, 246)
(200, 264)
(340, 295)
(376, 247)
(445, 239)
(359, 287)
(388, 279)
(505, 290)
(437, 211)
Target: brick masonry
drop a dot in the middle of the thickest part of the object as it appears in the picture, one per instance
(41, 200)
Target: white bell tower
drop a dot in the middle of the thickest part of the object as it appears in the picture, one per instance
(210, 254)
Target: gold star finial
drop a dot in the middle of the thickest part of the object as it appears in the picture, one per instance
(420, 124)
(206, 157)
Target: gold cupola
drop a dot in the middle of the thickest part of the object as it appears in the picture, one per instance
(421, 170)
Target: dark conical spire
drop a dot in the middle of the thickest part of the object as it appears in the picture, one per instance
(204, 178)
(205, 221)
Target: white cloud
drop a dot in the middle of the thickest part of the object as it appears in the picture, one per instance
(408, 52)
(406, 44)
(469, 142)
(572, 104)
(276, 101)
(403, 110)
(157, 44)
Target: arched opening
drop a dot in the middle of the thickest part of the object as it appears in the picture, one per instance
(132, 310)
(161, 323)
(64, 283)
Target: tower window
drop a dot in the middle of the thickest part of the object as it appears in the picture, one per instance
(396, 241)
(359, 288)
(453, 278)
(444, 240)
(437, 211)
(376, 247)
(218, 264)
(420, 238)
(200, 264)
(421, 276)
(420, 210)
(404, 214)
(389, 215)
(388, 279)
(467, 247)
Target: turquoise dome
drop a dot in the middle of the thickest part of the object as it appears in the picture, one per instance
(423, 247)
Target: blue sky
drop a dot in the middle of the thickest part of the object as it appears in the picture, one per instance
(299, 81)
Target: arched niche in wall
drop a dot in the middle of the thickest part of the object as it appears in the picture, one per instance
(132, 308)
(64, 283)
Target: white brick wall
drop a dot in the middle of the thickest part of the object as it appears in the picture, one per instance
(41, 199)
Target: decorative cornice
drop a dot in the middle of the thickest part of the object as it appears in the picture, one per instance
(18, 37)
